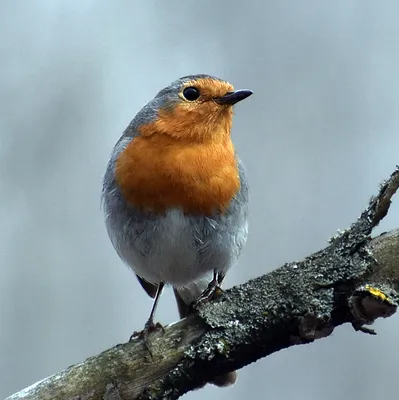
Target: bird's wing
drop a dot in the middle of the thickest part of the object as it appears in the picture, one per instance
(181, 304)
(150, 288)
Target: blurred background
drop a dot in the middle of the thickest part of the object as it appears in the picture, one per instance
(318, 136)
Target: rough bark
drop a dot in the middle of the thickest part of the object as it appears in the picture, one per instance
(353, 280)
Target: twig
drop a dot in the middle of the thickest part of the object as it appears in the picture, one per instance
(355, 279)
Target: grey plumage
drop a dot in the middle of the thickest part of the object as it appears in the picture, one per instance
(173, 248)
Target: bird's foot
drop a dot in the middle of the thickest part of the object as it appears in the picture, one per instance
(149, 328)
(211, 292)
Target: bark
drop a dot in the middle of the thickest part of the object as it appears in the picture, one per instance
(355, 279)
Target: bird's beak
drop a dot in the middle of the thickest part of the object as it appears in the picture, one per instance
(231, 98)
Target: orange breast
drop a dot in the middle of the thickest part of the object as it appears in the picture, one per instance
(158, 173)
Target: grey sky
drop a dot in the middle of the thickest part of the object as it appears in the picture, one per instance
(318, 135)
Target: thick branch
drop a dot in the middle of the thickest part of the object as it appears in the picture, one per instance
(355, 279)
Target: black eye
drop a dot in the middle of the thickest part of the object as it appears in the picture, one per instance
(191, 93)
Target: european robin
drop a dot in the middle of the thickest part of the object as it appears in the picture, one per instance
(175, 194)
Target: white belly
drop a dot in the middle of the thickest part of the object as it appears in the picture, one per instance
(177, 251)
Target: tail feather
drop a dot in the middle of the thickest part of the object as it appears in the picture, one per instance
(184, 297)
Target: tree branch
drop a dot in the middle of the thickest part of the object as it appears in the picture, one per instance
(355, 279)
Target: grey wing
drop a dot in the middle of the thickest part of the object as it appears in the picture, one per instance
(237, 214)
(182, 305)
(116, 212)
(150, 288)
(242, 197)
(236, 217)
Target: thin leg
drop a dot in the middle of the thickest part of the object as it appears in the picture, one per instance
(150, 322)
(149, 325)
(221, 276)
(212, 290)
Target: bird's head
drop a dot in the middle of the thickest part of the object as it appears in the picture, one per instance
(194, 108)
(179, 152)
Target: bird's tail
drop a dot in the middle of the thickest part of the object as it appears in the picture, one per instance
(185, 296)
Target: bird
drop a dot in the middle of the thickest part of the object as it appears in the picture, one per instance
(175, 194)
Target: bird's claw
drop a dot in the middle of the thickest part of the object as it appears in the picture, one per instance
(211, 292)
(149, 328)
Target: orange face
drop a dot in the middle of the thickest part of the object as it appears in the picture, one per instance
(184, 158)
(197, 120)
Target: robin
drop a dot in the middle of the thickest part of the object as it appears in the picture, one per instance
(175, 194)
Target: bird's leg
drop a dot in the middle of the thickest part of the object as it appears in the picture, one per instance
(214, 289)
(221, 276)
(149, 326)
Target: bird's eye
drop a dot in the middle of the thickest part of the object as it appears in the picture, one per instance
(191, 93)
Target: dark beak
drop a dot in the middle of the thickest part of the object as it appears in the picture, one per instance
(234, 97)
